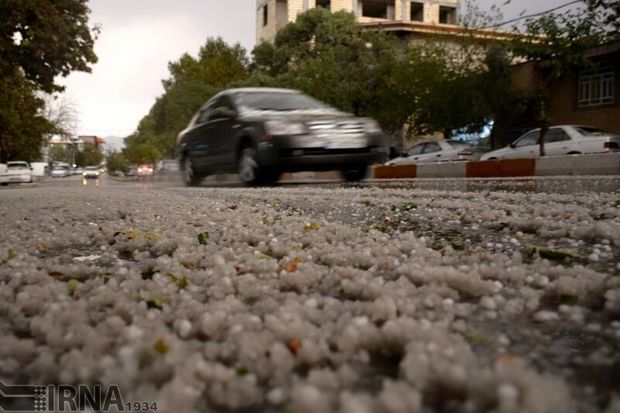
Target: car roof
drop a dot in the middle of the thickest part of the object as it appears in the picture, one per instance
(259, 89)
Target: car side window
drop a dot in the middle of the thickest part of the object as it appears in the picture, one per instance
(416, 150)
(221, 102)
(204, 114)
(432, 147)
(530, 138)
(556, 135)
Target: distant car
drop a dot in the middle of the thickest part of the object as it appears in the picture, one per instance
(16, 172)
(144, 170)
(559, 140)
(91, 172)
(261, 132)
(61, 171)
(437, 151)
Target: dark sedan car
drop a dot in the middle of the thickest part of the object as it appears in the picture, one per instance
(261, 132)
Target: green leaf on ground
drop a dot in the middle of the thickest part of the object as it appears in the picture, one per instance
(161, 346)
(311, 226)
(203, 238)
(72, 285)
(556, 254)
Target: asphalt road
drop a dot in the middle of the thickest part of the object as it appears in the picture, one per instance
(452, 296)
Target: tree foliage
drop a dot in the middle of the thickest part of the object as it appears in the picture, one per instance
(40, 41)
(61, 153)
(192, 81)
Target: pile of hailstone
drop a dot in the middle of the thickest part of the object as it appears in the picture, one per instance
(311, 300)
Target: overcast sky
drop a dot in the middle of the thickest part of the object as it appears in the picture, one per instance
(140, 37)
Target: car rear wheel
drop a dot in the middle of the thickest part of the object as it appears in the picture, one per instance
(188, 172)
(355, 173)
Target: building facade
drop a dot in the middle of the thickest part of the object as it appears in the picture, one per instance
(273, 15)
(590, 96)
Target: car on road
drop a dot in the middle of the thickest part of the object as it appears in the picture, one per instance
(61, 171)
(144, 170)
(261, 132)
(559, 140)
(16, 172)
(437, 151)
(91, 172)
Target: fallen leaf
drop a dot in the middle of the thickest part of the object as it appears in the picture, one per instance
(311, 226)
(72, 285)
(42, 246)
(161, 346)
(294, 345)
(203, 238)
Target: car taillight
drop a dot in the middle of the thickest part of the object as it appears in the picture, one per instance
(266, 138)
(612, 146)
(464, 153)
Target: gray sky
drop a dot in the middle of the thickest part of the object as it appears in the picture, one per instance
(140, 37)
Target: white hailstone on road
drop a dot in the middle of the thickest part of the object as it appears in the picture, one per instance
(183, 328)
(545, 316)
(508, 396)
(488, 303)
(275, 396)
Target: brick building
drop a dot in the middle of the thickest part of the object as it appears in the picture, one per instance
(589, 97)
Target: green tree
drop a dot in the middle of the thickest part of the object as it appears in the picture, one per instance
(192, 81)
(143, 153)
(21, 123)
(117, 163)
(92, 156)
(60, 153)
(40, 41)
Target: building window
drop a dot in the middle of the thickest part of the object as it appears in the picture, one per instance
(417, 12)
(265, 15)
(324, 3)
(380, 9)
(596, 87)
(447, 15)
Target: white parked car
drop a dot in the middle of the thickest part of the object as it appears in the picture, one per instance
(559, 140)
(437, 151)
(16, 172)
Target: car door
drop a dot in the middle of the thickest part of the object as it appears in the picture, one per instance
(431, 153)
(414, 154)
(222, 128)
(557, 142)
(525, 147)
(198, 142)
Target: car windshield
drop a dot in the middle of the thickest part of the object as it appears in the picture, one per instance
(278, 101)
(588, 130)
(91, 168)
(16, 166)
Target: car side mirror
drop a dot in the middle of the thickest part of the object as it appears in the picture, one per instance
(512, 145)
(404, 155)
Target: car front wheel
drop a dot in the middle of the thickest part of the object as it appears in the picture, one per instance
(248, 166)
(188, 172)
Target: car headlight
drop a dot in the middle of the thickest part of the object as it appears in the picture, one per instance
(281, 127)
(372, 127)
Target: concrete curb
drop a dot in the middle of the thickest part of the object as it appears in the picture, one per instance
(595, 164)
